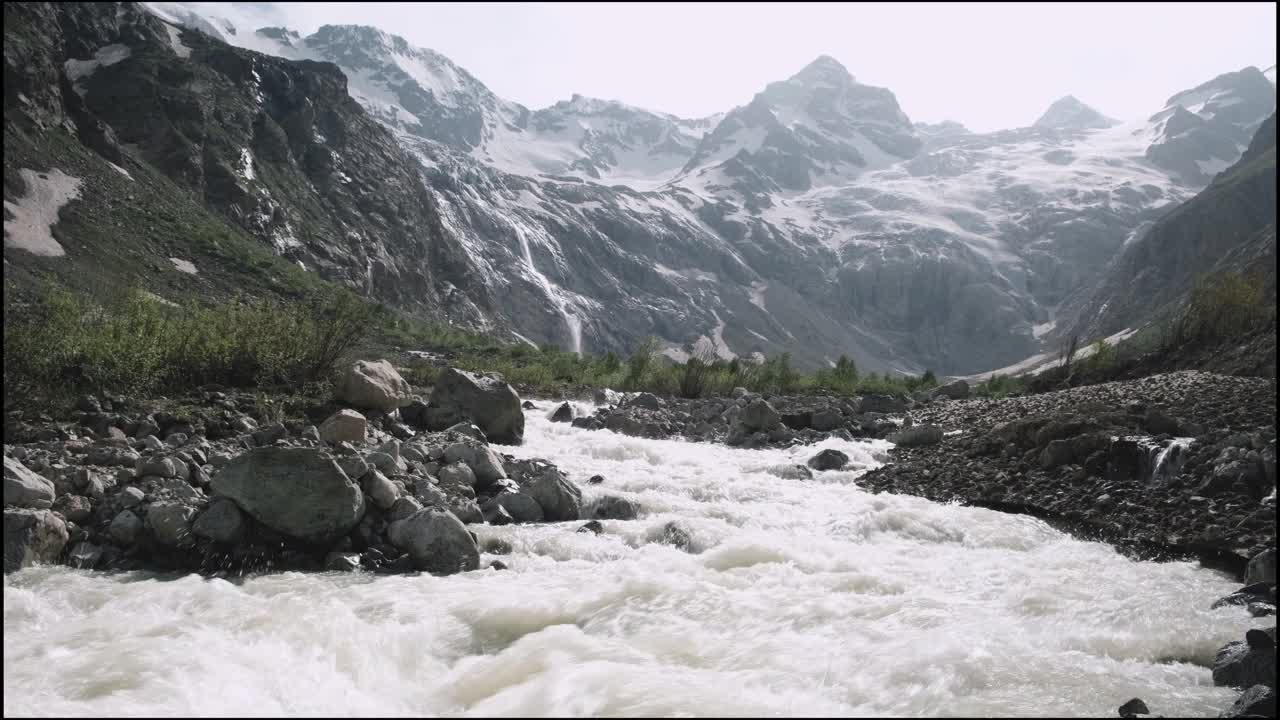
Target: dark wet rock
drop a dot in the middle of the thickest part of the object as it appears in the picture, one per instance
(828, 460)
(342, 562)
(673, 534)
(1134, 708)
(595, 479)
(612, 507)
(85, 556)
(592, 526)
(527, 405)
(170, 523)
(497, 565)
(1257, 701)
(1245, 664)
(563, 413)
(645, 401)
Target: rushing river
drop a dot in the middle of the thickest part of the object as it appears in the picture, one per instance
(802, 597)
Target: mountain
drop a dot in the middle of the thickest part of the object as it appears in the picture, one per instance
(815, 219)
(1202, 131)
(1230, 225)
(277, 150)
(1069, 113)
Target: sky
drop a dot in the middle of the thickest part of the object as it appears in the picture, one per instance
(987, 65)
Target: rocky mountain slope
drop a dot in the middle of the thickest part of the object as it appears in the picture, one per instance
(1231, 225)
(816, 219)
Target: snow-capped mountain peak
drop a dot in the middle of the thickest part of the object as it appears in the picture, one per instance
(1068, 113)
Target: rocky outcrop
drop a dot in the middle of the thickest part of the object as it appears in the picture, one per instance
(234, 504)
(1090, 459)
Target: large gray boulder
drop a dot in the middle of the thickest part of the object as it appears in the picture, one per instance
(560, 499)
(32, 536)
(344, 426)
(483, 461)
(828, 459)
(437, 541)
(300, 492)
(24, 488)
(759, 415)
(374, 385)
(488, 402)
(125, 527)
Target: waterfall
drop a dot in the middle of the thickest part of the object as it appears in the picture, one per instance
(572, 322)
(1168, 461)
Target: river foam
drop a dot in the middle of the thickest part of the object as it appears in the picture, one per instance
(799, 597)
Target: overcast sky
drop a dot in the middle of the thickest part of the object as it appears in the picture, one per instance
(989, 66)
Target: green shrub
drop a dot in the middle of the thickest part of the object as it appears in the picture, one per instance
(137, 343)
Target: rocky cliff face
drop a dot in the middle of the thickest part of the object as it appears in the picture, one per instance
(1230, 225)
(815, 219)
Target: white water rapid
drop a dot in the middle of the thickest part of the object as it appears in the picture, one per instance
(801, 598)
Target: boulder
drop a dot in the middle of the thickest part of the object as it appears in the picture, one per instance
(828, 460)
(826, 419)
(1134, 708)
(1257, 701)
(483, 461)
(560, 499)
(1262, 568)
(344, 426)
(518, 506)
(612, 507)
(645, 401)
(488, 402)
(221, 522)
(373, 385)
(563, 413)
(887, 404)
(75, 508)
(32, 536)
(381, 491)
(171, 523)
(437, 541)
(24, 488)
(125, 527)
(457, 474)
(300, 492)
(955, 390)
(917, 436)
(592, 526)
(759, 415)
(1248, 663)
